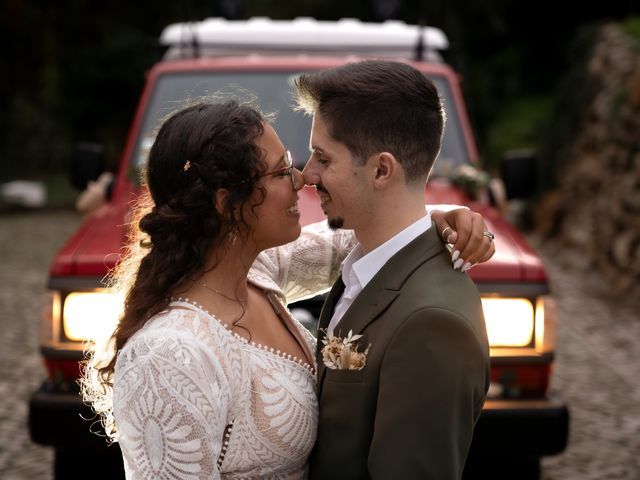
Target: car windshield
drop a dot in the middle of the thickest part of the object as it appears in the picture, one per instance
(272, 92)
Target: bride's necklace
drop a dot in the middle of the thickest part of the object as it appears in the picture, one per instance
(214, 290)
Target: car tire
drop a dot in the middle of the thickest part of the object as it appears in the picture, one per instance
(78, 464)
(522, 468)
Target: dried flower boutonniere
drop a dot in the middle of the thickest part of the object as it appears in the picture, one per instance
(342, 353)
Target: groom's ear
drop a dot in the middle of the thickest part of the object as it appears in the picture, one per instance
(385, 169)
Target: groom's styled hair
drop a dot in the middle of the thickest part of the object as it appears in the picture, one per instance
(378, 106)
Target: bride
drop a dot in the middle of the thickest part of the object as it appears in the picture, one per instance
(207, 374)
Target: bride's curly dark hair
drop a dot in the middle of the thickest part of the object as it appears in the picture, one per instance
(198, 150)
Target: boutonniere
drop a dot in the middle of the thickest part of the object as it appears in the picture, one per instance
(342, 353)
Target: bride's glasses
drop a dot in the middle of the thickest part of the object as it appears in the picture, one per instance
(297, 181)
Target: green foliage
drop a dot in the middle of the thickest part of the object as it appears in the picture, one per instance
(34, 142)
(631, 26)
(75, 69)
(571, 97)
(519, 125)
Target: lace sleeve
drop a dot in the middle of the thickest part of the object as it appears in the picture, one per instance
(309, 265)
(171, 399)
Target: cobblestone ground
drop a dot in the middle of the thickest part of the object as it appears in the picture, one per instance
(27, 245)
(597, 372)
(597, 366)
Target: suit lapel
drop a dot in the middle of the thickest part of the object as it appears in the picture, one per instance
(365, 308)
(330, 304)
(325, 317)
(379, 293)
(383, 289)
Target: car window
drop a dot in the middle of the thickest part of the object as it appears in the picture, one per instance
(272, 92)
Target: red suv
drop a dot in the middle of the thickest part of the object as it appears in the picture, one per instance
(519, 424)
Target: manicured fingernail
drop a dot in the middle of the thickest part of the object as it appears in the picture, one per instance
(465, 267)
(458, 263)
(455, 255)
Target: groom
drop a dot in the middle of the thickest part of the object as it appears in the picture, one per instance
(401, 399)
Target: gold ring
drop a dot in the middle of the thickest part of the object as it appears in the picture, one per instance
(489, 235)
(444, 231)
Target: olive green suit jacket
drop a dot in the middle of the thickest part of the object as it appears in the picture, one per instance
(410, 412)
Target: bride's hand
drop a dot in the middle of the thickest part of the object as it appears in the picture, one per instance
(468, 234)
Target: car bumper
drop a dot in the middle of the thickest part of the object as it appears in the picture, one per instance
(61, 420)
(524, 428)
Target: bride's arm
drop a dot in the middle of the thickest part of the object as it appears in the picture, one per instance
(171, 401)
(309, 265)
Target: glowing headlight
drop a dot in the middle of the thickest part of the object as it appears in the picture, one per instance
(90, 316)
(509, 321)
(546, 319)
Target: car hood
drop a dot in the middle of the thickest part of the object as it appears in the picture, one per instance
(95, 248)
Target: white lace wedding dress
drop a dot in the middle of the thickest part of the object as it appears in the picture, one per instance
(193, 400)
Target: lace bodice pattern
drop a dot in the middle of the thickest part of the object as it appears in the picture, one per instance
(194, 400)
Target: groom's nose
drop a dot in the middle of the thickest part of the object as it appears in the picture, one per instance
(310, 173)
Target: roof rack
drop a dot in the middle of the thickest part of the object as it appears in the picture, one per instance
(218, 36)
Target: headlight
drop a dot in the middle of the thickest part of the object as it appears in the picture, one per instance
(509, 321)
(546, 319)
(91, 315)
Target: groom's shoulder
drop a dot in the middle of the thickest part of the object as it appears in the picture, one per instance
(435, 286)
(435, 280)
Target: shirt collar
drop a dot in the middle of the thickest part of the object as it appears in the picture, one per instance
(365, 267)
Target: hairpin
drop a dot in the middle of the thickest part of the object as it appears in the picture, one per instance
(187, 165)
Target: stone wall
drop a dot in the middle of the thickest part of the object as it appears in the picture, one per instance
(595, 207)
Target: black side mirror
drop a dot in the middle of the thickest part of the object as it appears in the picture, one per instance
(520, 173)
(87, 163)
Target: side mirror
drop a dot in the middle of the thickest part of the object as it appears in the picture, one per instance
(519, 173)
(87, 163)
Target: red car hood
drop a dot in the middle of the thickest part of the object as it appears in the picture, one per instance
(95, 247)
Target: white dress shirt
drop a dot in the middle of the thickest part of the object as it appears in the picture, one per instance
(358, 270)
